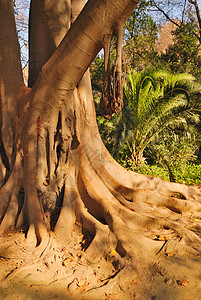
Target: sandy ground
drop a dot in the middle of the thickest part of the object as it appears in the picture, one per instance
(63, 271)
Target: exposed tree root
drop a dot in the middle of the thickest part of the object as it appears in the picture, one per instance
(69, 184)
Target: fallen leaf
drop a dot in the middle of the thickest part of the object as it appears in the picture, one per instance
(134, 281)
(83, 287)
(196, 220)
(159, 238)
(113, 252)
(169, 254)
(182, 282)
(162, 238)
(67, 261)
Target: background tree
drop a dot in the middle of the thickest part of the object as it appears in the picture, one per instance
(57, 176)
(184, 51)
(179, 12)
(21, 8)
(140, 39)
(183, 55)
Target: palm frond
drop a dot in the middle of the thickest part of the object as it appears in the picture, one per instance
(158, 100)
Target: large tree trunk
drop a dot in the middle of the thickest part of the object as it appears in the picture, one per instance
(59, 176)
(11, 83)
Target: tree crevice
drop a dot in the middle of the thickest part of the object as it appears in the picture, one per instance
(58, 206)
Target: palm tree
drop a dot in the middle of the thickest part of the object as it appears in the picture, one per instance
(153, 101)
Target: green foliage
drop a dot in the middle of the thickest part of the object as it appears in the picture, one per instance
(190, 174)
(184, 54)
(141, 36)
(151, 170)
(156, 120)
(153, 101)
(174, 150)
(96, 72)
(158, 105)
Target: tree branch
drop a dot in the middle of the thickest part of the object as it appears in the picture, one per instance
(166, 15)
(183, 11)
(80, 46)
(198, 16)
(194, 2)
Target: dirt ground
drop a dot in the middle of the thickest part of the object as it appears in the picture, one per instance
(63, 271)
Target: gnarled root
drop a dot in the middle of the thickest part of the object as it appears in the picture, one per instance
(12, 198)
(87, 194)
(133, 222)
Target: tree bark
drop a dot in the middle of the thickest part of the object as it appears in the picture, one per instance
(11, 83)
(66, 179)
